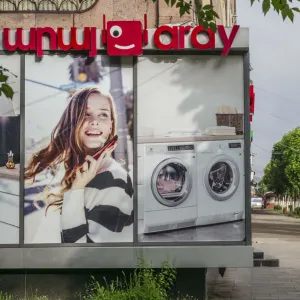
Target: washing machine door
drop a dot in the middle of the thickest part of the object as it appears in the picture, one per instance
(222, 177)
(171, 182)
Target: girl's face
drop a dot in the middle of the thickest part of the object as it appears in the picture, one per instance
(97, 125)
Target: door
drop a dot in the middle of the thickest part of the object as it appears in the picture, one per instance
(222, 177)
(171, 182)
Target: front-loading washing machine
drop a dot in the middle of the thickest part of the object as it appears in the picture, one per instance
(221, 178)
(167, 185)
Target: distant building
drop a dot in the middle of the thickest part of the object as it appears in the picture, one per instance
(269, 199)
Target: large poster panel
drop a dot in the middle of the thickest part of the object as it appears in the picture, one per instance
(191, 185)
(79, 157)
(9, 149)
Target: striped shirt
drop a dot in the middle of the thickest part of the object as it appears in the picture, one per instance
(102, 211)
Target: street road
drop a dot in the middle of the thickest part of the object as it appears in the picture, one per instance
(277, 236)
(273, 225)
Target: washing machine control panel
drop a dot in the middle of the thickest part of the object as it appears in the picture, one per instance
(217, 147)
(181, 148)
(170, 148)
(235, 145)
(229, 146)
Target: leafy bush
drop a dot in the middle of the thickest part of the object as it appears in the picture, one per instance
(297, 210)
(144, 284)
(5, 297)
(33, 297)
(290, 207)
(277, 207)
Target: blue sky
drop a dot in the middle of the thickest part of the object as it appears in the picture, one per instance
(275, 59)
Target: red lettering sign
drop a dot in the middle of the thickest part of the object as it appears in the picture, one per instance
(227, 41)
(177, 34)
(73, 40)
(252, 99)
(122, 38)
(172, 31)
(19, 40)
(211, 43)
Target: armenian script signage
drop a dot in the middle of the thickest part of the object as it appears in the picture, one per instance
(121, 38)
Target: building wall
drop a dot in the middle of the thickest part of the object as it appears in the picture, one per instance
(113, 9)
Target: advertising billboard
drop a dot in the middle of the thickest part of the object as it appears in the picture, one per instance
(9, 149)
(72, 193)
(107, 151)
(191, 175)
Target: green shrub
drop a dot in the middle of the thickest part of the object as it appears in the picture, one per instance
(5, 297)
(277, 207)
(297, 210)
(144, 284)
(290, 207)
(28, 297)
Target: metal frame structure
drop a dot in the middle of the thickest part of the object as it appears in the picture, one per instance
(46, 6)
(184, 254)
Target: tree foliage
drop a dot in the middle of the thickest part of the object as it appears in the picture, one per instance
(261, 189)
(206, 15)
(282, 173)
(5, 87)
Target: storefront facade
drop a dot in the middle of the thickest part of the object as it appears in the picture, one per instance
(158, 134)
(177, 187)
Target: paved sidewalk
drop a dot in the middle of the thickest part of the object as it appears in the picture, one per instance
(277, 236)
(254, 284)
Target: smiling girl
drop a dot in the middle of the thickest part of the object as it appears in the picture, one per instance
(96, 196)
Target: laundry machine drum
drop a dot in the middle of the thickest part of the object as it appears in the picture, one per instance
(222, 178)
(171, 182)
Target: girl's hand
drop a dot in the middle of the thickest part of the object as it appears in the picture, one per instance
(90, 169)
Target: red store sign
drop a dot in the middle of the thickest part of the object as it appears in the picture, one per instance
(252, 101)
(122, 38)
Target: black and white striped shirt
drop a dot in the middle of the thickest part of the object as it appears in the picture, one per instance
(102, 211)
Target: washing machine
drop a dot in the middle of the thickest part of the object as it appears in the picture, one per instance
(167, 185)
(221, 181)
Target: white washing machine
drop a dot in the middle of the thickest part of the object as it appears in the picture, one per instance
(221, 176)
(167, 185)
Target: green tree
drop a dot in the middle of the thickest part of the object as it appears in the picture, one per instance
(291, 155)
(206, 15)
(5, 88)
(261, 189)
(282, 173)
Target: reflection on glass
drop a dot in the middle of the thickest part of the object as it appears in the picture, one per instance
(171, 180)
(220, 177)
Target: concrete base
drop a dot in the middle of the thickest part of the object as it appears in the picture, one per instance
(262, 260)
(68, 285)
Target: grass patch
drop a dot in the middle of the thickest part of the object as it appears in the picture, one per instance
(144, 283)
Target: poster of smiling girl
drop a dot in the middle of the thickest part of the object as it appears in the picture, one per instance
(78, 139)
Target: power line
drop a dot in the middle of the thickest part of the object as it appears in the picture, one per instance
(275, 94)
(261, 148)
(290, 148)
(281, 97)
(276, 116)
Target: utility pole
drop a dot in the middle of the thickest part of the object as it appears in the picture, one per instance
(116, 90)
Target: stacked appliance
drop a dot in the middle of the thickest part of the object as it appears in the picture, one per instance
(167, 190)
(221, 184)
(189, 180)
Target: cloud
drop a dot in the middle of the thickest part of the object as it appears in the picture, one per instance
(274, 54)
